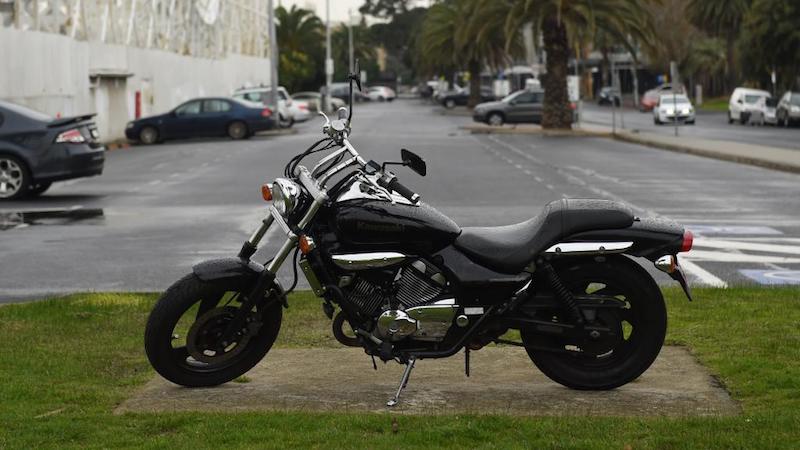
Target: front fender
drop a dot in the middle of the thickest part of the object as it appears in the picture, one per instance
(226, 268)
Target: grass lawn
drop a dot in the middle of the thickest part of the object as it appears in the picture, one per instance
(67, 363)
(717, 104)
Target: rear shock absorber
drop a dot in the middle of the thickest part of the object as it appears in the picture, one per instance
(563, 294)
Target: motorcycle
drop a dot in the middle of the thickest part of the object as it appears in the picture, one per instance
(404, 282)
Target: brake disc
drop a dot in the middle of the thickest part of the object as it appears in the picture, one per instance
(203, 340)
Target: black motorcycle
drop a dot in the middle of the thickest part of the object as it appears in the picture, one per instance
(404, 282)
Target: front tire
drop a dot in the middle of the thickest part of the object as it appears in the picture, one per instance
(450, 104)
(495, 119)
(642, 325)
(237, 130)
(148, 136)
(190, 302)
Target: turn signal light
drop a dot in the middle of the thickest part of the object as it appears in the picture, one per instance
(266, 192)
(688, 239)
(306, 244)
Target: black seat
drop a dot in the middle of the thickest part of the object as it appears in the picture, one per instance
(509, 248)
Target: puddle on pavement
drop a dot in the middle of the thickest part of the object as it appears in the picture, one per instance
(21, 219)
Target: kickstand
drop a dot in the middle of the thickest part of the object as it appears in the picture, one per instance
(374, 366)
(466, 361)
(403, 382)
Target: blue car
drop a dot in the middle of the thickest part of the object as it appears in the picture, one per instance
(203, 117)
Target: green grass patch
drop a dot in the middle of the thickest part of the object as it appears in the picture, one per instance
(67, 363)
(716, 104)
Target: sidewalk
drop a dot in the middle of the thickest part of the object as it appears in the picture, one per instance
(757, 155)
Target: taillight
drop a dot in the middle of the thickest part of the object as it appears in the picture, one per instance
(72, 136)
(303, 107)
(688, 239)
(266, 112)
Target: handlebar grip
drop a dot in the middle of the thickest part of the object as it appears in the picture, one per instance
(410, 195)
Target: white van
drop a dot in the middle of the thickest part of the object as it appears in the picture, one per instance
(744, 100)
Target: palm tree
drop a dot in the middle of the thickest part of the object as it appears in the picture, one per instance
(561, 21)
(471, 33)
(300, 35)
(721, 18)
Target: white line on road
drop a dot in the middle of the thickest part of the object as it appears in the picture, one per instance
(704, 276)
(728, 257)
(752, 246)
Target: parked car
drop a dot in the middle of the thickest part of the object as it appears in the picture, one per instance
(764, 112)
(461, 97)
(609, 96)
(788, 110)
(517, 107)
(673, 107)
(342, 92)
(203, 117)
(299, 110)
(314, 100)
(37, 150)
(381, 94)
(742, 102)
(262, 95)
(650, 98)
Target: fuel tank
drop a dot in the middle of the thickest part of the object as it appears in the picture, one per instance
(368, 223)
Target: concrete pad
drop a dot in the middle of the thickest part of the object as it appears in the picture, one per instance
(502, 381)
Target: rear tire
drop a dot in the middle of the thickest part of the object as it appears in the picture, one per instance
(175, 363)
(645, 316)
(237, 130)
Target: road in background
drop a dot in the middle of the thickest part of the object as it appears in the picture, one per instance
(708, 125)
(158, 210)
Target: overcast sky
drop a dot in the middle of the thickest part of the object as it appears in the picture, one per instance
(338, 7)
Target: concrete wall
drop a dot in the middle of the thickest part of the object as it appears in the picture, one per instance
(51, 73)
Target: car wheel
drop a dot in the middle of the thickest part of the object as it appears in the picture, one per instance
(14, 178)
(148, 136)
(730, 118)
(381, 99)
(495, 119)
(237, 130)
(449, 103)
(656, 121)
(39, 189)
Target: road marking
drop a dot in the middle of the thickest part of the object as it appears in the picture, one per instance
(731, 229)
(752, 246)
(703, 276)
(772, 276)
(730, 257)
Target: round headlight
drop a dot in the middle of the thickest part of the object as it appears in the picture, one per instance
(285, 194)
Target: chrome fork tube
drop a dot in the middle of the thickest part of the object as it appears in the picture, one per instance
(257, 235)
(283, 252)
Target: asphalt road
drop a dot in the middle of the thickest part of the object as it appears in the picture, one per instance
(708, 125)
(158, 210)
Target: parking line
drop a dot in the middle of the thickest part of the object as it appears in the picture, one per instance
(703, 275)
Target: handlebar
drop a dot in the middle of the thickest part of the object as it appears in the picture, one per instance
(392, 184)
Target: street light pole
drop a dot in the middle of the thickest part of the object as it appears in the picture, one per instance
(328, 60)
(273, 63)
(350, 37)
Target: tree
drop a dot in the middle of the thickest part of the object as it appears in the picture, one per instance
(300, 36)
(560, 21)
(363, 50)
(771, 41)
(722, 18)
(384, 8)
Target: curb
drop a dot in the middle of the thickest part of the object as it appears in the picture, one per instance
(278, 132)
(783, 167)
(487, 129)
(121, 144)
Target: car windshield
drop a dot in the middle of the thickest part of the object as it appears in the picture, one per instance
(512, 96)
(752, 98)
(772, 102)
(25, 112)
(670, 99)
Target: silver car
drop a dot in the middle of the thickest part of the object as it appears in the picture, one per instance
(673, 107)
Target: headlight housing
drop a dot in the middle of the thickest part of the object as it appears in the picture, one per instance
(285, 194)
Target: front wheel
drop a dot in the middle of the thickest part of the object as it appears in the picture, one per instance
(636, 329)
(237, 130)
(183, 333)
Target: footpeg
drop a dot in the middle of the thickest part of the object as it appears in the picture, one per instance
(403, 382)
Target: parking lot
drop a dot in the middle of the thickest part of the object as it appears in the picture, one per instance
(158, 209)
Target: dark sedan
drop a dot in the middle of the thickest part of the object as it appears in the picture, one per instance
(517, 107)
(203, 117)
(36, 150)
(461, 98)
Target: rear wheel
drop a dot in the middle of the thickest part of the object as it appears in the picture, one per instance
(495, 119)
(636, 334)
(14, 178)
(237, 130)
(183, 333)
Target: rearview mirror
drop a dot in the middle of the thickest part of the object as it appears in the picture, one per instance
(342, 113)
(414, 161)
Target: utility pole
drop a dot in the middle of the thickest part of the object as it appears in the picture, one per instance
(673, 74)
(350, 37)
(273, 63)
(328, 60)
